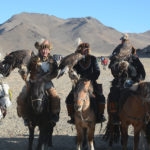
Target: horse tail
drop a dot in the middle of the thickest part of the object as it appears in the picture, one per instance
(85, 143)
(112, 133)
(147, 131)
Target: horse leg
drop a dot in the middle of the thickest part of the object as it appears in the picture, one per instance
(91, 137)
(124, 136)
(79, 137)
(50, 133)
(142, 140)
(43, 142)
(31, 136)
(40, 145)
(136, 137)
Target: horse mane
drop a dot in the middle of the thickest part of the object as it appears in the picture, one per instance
(142, 89)
(124, 95)
(81, 86)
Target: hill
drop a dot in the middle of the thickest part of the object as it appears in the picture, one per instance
(22, 30)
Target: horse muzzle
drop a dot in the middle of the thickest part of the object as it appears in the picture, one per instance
(78, 108)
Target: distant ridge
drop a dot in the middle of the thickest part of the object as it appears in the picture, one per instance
(22, 30)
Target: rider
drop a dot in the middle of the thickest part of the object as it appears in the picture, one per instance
(47, 71)
(124, 52)
(87, 68)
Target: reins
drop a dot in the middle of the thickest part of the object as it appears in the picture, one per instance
(84, 104)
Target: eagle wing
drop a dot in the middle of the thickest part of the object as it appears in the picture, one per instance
(15, 60)
(69, 62)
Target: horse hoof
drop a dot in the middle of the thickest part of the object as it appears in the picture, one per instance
(50, 148)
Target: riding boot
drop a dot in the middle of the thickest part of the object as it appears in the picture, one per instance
(55, 109)
(70, 109)
(100, 115)
(54, 105)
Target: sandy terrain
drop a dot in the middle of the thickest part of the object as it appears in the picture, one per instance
(14, 135)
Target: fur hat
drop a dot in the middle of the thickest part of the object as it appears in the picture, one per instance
(124, 37)
(43, 43)
(82, 46)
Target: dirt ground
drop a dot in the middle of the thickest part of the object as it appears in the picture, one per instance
(14, 135)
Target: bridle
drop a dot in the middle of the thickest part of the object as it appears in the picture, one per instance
(38, 99)
(84, 104)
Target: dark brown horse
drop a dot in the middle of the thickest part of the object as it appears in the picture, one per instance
(84, 115)
(39, 115)
(134, 110)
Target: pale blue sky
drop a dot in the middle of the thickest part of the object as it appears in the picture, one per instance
(125, 16)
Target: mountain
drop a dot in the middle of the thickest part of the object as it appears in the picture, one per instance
(145, 52)
(22, 30)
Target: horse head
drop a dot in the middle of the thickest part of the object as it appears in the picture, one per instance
(37, 96)
(81, 94)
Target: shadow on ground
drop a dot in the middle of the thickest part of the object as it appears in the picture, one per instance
(60, 142)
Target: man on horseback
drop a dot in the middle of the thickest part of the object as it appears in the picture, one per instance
(42, 67)
(87, 68)
(127, 69)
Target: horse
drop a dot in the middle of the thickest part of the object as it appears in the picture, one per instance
(134, 108)
(84, 115)
(39, 115)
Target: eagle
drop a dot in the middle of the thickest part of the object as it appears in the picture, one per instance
(15, 59)
(68, 62)
(122, 51)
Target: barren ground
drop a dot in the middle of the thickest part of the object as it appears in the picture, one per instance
(14, 135)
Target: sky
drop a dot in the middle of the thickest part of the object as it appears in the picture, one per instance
(125, 16)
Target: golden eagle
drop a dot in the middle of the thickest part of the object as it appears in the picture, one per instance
(16, 59)
(68, 62)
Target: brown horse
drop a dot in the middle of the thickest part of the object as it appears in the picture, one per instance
(134, 106)
(84, 115)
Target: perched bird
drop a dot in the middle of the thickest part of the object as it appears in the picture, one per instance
(68, 62)
(16, 59)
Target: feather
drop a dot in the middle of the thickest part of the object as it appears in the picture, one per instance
(78, 41)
